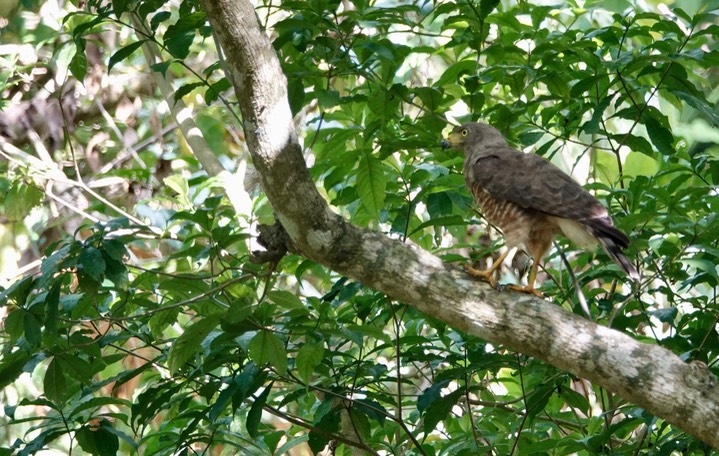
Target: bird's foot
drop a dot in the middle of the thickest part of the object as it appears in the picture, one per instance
(487, 276)
(526, 289)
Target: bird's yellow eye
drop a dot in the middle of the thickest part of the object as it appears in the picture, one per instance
(463, 132)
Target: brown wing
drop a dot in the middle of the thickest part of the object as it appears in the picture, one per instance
(532, 182)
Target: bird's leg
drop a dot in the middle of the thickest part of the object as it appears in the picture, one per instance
(529, 288)
(488, 274)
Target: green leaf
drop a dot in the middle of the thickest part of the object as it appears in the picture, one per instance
(88, 27)
(291, 443)
(179, 184)
(618, 6)
(52, 303)
(372, 409)
(158, 18)
(14, 325)
(703, 265)
(360, 425)
(33, 330)
(241, 306)
(699, 104)
(123, 53)
(574, 399)
(54, 382)
(592, 126)
(538, 399)
(430, 395)
(439, 204)
(92, 263)
(41, 441)
(296, 94)
(21, 199)
(265, 347)
(98, 441)
(223, 399)
(162, 67)
(179, 36)
(78, 65)
(61, 60)
(178, 44)
(285, 299)
(215, 90)
(371, 184)
(160, 321)
(18, 292)
(185, 346)
(327, 98)
(114, 248)
(120, 7)
(272, 439)
(149, 7)
(309, 356)
(249, 380)
(76, 367)
(439, 409)
(327, 418)
(185, 89)
(639, 164)
(254, 415)
(98, 402)
(667, 315)
(636, 143)
(486, 7)
(11, 366)
(52, 263)
(450, 76)
(659, 135)
(587, 84)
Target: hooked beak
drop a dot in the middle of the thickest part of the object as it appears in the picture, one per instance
(446, 144)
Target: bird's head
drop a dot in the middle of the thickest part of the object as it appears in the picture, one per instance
(470, 135)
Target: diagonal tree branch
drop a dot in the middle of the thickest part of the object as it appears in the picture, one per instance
(647, 375)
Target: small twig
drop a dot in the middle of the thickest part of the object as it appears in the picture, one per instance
(526, 405)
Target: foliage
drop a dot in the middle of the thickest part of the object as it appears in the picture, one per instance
(148, 328)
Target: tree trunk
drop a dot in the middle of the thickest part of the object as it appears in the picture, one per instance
(646, 375)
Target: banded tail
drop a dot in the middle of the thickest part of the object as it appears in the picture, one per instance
(613, 241)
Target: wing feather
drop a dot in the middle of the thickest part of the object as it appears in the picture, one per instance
(532, 182)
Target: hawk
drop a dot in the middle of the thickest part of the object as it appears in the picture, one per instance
(531, 201)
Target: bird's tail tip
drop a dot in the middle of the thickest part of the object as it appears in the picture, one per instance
(616, 253)
(614, 241)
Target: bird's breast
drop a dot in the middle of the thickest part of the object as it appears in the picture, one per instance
(521, 227)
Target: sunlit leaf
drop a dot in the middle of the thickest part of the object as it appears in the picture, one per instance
(371, 184)
(21, 199)
(265, 347)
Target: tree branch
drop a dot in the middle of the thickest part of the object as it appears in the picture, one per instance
(646, 375)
